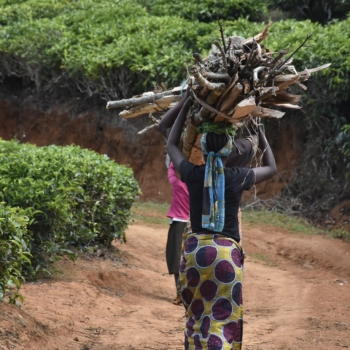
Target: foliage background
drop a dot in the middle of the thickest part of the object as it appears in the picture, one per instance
(90, 51)
(14, 251)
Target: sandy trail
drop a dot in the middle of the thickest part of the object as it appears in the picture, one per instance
(296, 296)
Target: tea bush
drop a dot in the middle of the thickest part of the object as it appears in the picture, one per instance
(207, 10)
(72, 196)
(14, 255)
(112, 49)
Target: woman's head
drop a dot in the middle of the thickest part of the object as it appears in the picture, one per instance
(217, 134)
(215, 142)
(216, 138)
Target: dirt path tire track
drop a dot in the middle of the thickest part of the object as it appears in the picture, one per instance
(296, 296)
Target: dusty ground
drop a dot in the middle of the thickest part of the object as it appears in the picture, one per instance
(296, 294)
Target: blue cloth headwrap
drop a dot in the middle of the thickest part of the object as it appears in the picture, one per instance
(213, 207)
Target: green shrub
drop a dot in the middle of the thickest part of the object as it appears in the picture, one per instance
(100, 40)
(72, 197)
(13, 251)
(344, 139)
(130, 43)
(207, 10)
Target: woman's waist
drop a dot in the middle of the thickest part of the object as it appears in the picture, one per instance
(212, 235)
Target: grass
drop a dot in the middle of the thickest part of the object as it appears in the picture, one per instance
(155, 213)
(150, 213)
(269, 218)
(341, 233)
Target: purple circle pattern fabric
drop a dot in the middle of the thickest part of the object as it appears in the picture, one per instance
(211, 274)
(208, 290)
(206, 255)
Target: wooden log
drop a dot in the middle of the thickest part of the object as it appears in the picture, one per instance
(246, 86)
(146, 129)
(189, 138)
(262, 112)
(204, 82)
(267, 92)
(210, 108)
(282, 105)
(256, 71)
(216, 76)
(197, 157)
(276, 100)
(229, 101)
(222, 55)
(147, 97)
(251, 57)
(278, 57)
(204, 113)
(305, 74)
(259, 37)
(281, 97)
(231, 97)
(222, 97)
(158, 105)
(282, 81)
(235, 43)
(300, 85)
(243, 109)
(286, 96)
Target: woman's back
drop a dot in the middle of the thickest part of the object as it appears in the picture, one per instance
(236, 181)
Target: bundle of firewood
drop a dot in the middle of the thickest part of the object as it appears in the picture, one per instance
(239, 80)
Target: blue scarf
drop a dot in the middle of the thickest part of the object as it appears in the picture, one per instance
(213, 207)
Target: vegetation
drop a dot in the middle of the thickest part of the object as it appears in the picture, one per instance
(111, 49)
(71, 196)
(317, 11)
(150, 213)
(14, 251)
(208, 10)
(155, 213)
(275, 219)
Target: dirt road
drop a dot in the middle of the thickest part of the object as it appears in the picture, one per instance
(296, 296)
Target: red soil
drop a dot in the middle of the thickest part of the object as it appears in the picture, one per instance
(296, 295)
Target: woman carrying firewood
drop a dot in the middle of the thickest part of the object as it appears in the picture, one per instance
(211, 270)
(241, 154)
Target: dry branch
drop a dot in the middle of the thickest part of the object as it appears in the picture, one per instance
(259, 37)
(146, 129)
(280, 104)
(305, 74)
(206, 83)
(156, 106)
(147, 97)
(231, 97)
(261, 112)
(283, 81)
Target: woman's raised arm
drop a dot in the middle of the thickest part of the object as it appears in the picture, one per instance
(174, 152)
(170, 116)
(269, 168)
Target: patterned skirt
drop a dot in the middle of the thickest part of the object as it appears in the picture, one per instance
(211, 273)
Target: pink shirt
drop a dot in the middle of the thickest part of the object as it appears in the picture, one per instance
(180, 204)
